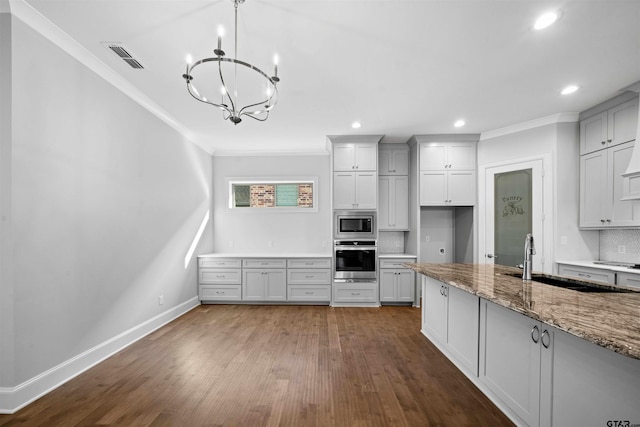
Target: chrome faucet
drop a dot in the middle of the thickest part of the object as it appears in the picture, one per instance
(529, 252)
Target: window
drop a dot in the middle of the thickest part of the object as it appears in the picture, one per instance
(276, 195)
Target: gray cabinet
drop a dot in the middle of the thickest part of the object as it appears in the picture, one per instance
(393, 209)
(450, 318)
(588, 273)
(355, 156)
(447, 174)
(309, 280)
(613, 126)
(601, 187)
(393, 161)
(219, 279)
(355, 190)
(397, 283)
(629, 280)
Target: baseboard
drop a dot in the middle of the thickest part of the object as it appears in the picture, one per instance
(12, 399)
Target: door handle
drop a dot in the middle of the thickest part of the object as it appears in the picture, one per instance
(492, 256)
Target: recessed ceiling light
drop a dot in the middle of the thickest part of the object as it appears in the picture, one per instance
(569, 89)
(459, 123)
(356, 125)
(545, 20)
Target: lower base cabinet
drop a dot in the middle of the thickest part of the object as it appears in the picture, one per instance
(264, 285)
(542, 376)
(397, 283)
(355, 293)
(450, 320)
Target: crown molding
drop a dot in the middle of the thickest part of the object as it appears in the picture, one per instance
(531, 124)
(39, 23)
(273, 153)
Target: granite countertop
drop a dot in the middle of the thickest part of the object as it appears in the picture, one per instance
(610, 320)
(266, 255)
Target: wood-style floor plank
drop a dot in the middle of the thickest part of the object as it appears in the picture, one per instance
(251, 365)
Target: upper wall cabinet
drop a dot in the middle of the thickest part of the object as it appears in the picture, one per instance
(612, 126)
(393, 160)
(447, 173)
(355, 156)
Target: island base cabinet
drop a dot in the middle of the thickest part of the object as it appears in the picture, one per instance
(450, 319)
(588, 385)
(510, 361)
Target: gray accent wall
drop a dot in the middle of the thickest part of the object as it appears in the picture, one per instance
(100, 201)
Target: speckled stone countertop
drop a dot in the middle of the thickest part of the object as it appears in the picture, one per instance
(610, 320)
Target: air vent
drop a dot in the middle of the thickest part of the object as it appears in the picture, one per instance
(124, 54)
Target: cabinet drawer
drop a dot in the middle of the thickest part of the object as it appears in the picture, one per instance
(310, 277)
(394, 262)
(586, 273)
(355, 292)
(629, 280)
(309, 293)
(309, 263)
(220, 275)
(220, 262)
(264, 263)
(220, 293)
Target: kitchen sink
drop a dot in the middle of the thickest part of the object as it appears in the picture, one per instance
(574, 285)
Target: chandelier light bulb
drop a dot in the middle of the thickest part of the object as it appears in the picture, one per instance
(189, 59)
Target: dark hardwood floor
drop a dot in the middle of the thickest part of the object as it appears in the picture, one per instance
(249, 365)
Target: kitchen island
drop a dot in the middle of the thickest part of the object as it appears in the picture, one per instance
(544, 354)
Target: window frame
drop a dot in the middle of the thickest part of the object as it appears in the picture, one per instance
(231, 181)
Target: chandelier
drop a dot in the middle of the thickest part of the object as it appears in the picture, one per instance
(222, 80)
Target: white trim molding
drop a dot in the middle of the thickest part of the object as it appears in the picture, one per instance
(531, 124)
(13, 399)
(39, 23)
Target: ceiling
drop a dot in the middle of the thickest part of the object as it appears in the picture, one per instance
(399, 67)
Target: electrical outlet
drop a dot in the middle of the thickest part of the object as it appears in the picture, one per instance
(270, 243)
(230, 243)
(324, 243)
(160, 299)
(563, 240)
(622, 249)
(427, 238)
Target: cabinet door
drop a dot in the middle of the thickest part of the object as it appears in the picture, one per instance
(253, 285)
(400, 159)
(622, 122)
(624, 213)
(344, 157)
(433, 188)
(435, 310)
(366, 190)
(593, 185)
(406, 285)
(385, 210)
(388, 286)
(461, 156)
(593, 133)
(366, 156)
(433, 156)
(400, 203)
(463, 313)
(461, 188)
(588, 385)
(276, 285)
(510, 359)
(344, 190)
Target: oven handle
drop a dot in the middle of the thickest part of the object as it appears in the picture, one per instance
(356, 248)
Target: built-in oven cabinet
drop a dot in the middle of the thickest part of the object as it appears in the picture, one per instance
(355, 293)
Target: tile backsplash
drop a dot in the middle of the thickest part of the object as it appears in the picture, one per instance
(391, 242)
(620, 246)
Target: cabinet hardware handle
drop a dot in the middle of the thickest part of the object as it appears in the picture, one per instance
(602, 221)
(220, 276)
(446, 291)
(441, 290)
(537, 331)
(608, 220)
(308, 277)
(355, 294)
(309, 293)
(584, 275)
(603, 142)
(608, 140)
(545, 332)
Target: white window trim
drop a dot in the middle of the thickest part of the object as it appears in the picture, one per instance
(231, 181)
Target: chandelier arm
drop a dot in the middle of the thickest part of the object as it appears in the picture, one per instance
(258, 119)
(224, 85)
(198, 98)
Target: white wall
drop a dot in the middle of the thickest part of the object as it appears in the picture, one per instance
(106, 200)
(288, 232)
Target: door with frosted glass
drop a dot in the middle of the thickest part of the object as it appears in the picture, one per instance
(513, 208)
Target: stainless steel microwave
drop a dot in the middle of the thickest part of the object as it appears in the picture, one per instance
(355, 225)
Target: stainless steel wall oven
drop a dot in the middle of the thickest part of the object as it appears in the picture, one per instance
(355, 260)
